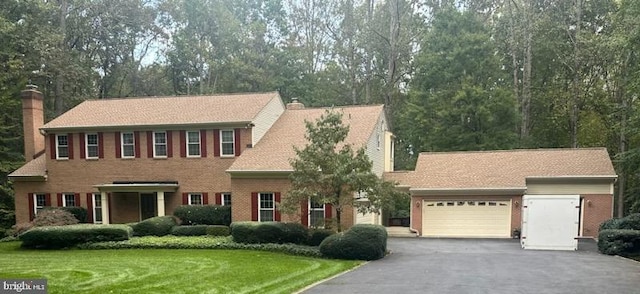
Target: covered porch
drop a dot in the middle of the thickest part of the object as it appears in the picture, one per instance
(123, 202)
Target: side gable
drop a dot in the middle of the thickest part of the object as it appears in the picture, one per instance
(266, 118)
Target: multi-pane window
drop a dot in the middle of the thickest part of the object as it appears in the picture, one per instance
(226, 142)
(92, 145)
(195, 199)
(97, 208)
(128, 145)
(316, 214)
(193, 143)
(68, 200)
(159, 144)
(226, 199)
(267, 207)
(39, 202)
(62, 147)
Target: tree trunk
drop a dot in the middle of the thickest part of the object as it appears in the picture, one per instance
(338, 219)
(394, 32)
(575, 103)
(526, 74)
(367, 56)
(58, 103)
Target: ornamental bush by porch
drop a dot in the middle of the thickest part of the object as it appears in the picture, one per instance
(619, 242)
(203, 214)
(363, 242)
(54, 237)
(155, 226)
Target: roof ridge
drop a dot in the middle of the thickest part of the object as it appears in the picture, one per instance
(340, 107)
(183, 96)
(517, 150)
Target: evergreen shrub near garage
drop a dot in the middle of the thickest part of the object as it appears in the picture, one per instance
(629, 222)
(54, 237)
(218, 230)
(619, 242)
(155, 226)
(316, 236)
(362, 242)
(203, 214)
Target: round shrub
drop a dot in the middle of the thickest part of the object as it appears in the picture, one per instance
(155, 226)
(54, 217)
(242, 232)
(630, 222)
(80, 213)
(217, 230)
(610, 224)
(362, 242)
(270, 232)
(316, 236)
(619, 242)
(295, 233)
(203, 214)
(197, 230)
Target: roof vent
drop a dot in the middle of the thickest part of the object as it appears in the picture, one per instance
(294, 104)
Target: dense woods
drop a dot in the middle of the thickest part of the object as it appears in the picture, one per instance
(454, 75)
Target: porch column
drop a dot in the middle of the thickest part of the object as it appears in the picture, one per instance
(105, 207)
(160, 201)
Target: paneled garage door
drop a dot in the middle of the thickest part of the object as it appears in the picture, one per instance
(466, 218)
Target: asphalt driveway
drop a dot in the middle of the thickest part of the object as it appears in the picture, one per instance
(419, 265)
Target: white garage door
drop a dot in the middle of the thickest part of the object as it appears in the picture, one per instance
(466, 218)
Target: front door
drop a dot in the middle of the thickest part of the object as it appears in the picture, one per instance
(148, 205)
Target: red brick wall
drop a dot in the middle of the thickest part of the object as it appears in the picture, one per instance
(596, 209)
(80, 175)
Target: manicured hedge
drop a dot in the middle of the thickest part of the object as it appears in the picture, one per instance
(217, 230)
(316, 236)
(629, 222)
(66, 236)
(619, 242)
(155, 226)
(203, 214)
(363, 242)
(196, 230)
(269, 232)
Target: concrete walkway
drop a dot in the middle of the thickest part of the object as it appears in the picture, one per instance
(419, 265)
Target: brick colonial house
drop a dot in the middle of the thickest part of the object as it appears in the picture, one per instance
(480, 194)
(129, 159)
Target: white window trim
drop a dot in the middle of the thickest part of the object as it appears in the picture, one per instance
(195, 194)
(57, 151)
(122, 144)
(273, 209)
(224, 196)
(86, 146)
(166, 144)
(35, 202)
(97, 205)
(310, 209)
(233, 141)
(64, 199)
(186, 141)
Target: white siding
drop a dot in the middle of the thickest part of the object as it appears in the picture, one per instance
(376, 150)
(266, 118)
(569, 188)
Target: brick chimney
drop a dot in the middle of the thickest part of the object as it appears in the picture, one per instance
(32, 121)
(295, 105)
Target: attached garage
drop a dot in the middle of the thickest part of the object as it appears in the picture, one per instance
(466, 218)
(480, 194)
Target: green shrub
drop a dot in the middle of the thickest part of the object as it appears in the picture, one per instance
(316, 236)
(216, 230)
(80, 213)
(610, 224)
(203, 214)
(197, 230)
(66, 236)
(155, 226)
(243, 232)
(630, 222)
(54, 217)
(363, 242)
(295, 233)
(269, 232)
(619, 242)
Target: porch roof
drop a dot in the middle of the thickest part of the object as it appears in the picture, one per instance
(138, 187)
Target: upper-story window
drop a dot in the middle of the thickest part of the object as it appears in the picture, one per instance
(193, 144)
(128, 143)
(92, 146)
(62, 147)
(227, 145)
(159, 144)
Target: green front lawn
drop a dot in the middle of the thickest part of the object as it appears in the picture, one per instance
(166, 270)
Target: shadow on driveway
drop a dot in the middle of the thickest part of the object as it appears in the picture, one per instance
(420, 265)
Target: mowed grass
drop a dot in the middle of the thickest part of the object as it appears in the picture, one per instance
(166, 270)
